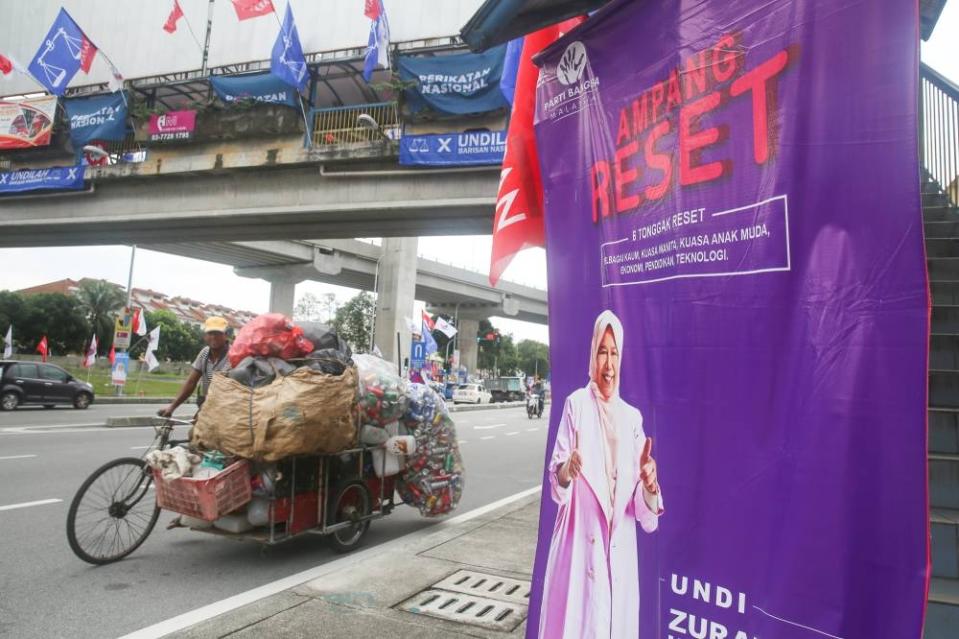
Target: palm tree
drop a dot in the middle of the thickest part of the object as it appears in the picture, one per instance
(100, 301)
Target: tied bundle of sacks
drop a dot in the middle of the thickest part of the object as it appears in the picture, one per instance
(433, 478)
(291, 391)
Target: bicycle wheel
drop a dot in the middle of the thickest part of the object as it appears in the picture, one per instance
(113, 512)
(351, 501)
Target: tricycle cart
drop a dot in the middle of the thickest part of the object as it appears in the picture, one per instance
(334, 495)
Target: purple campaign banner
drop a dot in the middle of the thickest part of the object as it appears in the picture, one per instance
(738, 324)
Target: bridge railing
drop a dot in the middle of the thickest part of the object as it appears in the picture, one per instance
(358, 124)
(939, 131)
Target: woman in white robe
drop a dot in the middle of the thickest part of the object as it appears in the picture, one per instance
(603, 477)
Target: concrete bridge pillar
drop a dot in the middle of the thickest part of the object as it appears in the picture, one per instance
(395, 291)
(282, 293)
(469, 350)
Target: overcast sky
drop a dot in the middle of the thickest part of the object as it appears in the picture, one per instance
(213, 283)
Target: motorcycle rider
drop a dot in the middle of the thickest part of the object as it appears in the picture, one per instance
(538, 389)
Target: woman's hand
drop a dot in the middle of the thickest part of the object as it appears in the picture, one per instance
(647, 468)
(573, 467)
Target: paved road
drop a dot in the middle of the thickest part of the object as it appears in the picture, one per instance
(46, 592)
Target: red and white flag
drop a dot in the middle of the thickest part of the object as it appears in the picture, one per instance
(91, 355)
(139, 322)
(43, 348)
(8, 65)
(428, 321)
(175, 14)
(518, 222)
(246, 9)
(373, 9)
(88, 51)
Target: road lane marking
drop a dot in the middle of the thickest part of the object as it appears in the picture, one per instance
(488, 427)
(17, 457)
(532, 430)
(515, 432)
(204, 613)
(28, 504)
(489, 437)
(141, 447)
(464, 441)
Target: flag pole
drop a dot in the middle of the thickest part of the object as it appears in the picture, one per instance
(133, 255)
(206, 45)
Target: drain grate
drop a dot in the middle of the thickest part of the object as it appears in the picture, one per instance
(482, 584)
(474, 598)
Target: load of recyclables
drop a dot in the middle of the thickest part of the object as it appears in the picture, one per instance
(303, 434)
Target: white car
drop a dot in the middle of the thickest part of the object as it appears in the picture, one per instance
(471, 394)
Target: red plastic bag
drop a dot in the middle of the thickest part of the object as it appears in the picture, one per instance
(270, 335)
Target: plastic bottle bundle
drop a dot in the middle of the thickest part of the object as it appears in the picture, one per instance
(424, 404)
(383, 395)
(433, 479)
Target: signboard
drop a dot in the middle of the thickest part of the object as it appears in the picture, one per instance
(418, 355)
(121, 369)
(261, 87)
(735, 251)
(27, 123)
(123, 329)
(455, 84)
(453, 149)
(175, 126)
(101, 117)
(61, 178)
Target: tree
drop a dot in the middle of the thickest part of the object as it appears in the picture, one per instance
(497, 355)
(100, 301)
(352, 321)
(311, 308)
(59, 317)
(179, 342)
(12, 313)
(533, 357)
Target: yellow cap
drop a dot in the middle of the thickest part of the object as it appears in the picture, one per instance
(215, 325)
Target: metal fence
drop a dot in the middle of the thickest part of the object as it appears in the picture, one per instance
(939, 131)
(360, 124)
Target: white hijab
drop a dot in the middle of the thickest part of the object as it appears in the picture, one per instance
(606, 320)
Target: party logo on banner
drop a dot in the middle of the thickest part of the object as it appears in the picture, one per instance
(262, 87)
(737, 447)
(27, 123)
(455, 84)
(175, 126)
(61, 178)
(453, 149)
(101, 117)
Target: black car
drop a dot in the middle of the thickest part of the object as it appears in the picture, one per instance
(45, 384)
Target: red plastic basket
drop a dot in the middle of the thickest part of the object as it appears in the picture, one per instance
(207, 499)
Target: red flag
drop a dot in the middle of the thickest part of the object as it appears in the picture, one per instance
(113, 355)
(6, 65)
(518, 222)
(175, 14)
(373, 9)
(88, 51)
(43, 348)
(246, 9)
(428, 321)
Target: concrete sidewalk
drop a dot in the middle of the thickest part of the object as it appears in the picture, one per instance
(464, 579)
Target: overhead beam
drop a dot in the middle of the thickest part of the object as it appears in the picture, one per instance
(263, 204)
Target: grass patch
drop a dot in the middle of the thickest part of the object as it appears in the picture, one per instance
(148, 385)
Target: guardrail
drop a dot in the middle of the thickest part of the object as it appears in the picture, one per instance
(360, 124)
(939, 131)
